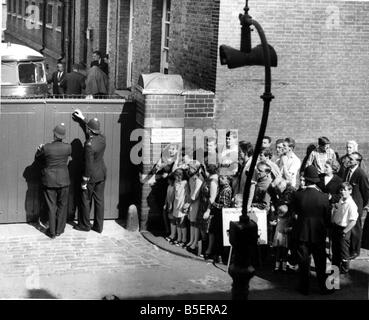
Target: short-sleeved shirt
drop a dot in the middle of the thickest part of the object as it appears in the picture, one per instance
(344, 212)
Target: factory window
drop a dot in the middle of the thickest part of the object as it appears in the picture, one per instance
(49, 14)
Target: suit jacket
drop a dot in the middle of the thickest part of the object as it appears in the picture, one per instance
(58, 86)
(55, 172)
(74, 83)
(95, 168)
(313, 215)
(332, 187)
(360, 188)
(94, 148)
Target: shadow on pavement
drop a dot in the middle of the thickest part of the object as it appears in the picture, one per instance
(40, 294)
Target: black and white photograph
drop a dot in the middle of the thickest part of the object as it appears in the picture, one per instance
(203, 151)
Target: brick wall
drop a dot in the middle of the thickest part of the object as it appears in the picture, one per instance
(141, 38)
(80, 23)
(122, 48)
(320, 84)
(193, 41)
(191, 109)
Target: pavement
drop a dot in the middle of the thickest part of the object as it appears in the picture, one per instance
(135, 265)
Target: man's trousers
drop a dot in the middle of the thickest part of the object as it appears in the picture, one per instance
(56, 201)
(94, 193)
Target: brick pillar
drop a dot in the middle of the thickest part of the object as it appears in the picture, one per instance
(161, 109)
(162, 106)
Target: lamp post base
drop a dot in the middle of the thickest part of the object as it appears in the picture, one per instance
(241, 281)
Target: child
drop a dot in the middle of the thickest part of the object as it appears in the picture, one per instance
(195, 182)
(180, 206)
(168, 208)
(208, 193)
(344, 216)
(280, 241)
(222, 200)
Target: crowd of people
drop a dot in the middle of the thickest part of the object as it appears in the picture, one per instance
(316, 206)
(93, 83)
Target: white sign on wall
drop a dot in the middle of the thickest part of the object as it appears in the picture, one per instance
(170, 135)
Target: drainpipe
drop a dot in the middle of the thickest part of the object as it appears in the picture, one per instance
(68, 40)
(43, 27)
(62, 35)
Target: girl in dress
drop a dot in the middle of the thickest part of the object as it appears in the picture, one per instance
(280, 241)
(180, 206)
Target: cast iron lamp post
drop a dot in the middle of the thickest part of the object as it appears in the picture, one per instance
(243, 235)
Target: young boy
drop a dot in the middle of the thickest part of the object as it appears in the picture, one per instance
(344, 218)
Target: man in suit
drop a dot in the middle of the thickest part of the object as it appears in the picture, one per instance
(313, 217)
(74, 82)
(55, 179)
(58, 80)
(98, 59)
(360, 193)
(94, 174)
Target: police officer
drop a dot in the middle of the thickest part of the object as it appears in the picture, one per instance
(55, 179)
(94, 174)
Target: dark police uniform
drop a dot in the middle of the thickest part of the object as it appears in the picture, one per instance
(95, 175)
(55, 180)
(312, 209)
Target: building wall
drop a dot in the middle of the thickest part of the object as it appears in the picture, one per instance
(143, 38)
(320, 84)
(18, 31)
(193, 42)
(122, 44)
(80, 23)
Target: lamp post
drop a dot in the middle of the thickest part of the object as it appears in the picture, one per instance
(244, 234)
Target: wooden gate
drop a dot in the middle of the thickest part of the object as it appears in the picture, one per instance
(24, 124)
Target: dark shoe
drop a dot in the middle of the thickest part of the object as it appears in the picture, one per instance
(58, 234)
(79, 228)
(192, 250)
(96, 230)
(354, 256)
(51, 236)
(207, 256)
(216, 259)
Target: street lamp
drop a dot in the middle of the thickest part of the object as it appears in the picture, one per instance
(243, 235)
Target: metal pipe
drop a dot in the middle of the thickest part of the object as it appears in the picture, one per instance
(267, 97)
(43, 27)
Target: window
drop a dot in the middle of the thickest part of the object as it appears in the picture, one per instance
(20, 7)
(49, 14)
(14, 6)
(25, 8)
(9, 73)
(165, 37)
(41, 6)
(31, 73)
(9, 6)
(60, 16)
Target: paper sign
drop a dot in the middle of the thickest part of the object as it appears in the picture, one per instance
(228, 215)
(260, 218)
(257, 215)
(172, 135)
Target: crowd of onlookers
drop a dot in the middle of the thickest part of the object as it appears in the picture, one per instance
(91, 83)
(197, 191)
